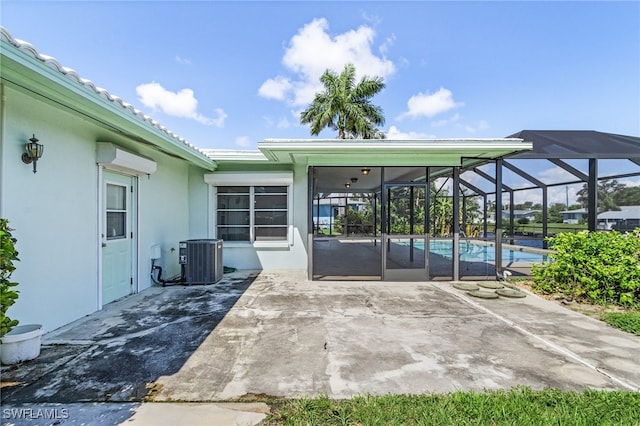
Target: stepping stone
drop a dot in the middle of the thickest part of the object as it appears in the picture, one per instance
(466, 286)
(490, 284)
(483, 294)
(509, 292)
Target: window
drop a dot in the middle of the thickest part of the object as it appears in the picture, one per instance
(252, 213)
(270, 212)
(252, 207)
(116, 212)
(234, 213)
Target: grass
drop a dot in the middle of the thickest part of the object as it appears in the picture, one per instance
(628, 321)
(536, 228)
(518, 406)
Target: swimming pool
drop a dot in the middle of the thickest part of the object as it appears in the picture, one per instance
(471, 252)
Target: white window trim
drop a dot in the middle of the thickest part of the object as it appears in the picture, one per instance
(252, 179)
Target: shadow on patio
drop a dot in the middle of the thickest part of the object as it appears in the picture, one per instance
(114, 354)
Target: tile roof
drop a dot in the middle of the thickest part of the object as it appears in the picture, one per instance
(71, 74)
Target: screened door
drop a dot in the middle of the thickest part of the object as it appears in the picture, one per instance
(404, 241)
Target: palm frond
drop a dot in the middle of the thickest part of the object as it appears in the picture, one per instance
(345, 106)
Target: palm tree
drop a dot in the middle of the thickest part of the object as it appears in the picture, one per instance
(345, 106)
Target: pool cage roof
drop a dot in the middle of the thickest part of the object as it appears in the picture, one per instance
(554, 146)
(557, 146)
(586, 144)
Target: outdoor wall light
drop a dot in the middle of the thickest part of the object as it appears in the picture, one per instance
(33, 152)
(347, 185)
(365, 171)
(354, 180)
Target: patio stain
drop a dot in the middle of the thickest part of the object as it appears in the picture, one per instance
(126, 354)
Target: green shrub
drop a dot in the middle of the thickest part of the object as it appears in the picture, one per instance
(627, 321)
(603, 267)
(8, 295)
(359, 223)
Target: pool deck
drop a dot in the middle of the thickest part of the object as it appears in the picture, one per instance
(361, 259)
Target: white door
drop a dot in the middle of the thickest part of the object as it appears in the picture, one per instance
(118, 234)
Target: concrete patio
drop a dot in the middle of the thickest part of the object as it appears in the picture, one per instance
(254, 335)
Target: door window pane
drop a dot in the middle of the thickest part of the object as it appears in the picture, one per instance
(116, 197)
(116, 225)
(116, 209)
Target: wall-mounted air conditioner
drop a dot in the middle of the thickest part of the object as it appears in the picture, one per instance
(202, 260)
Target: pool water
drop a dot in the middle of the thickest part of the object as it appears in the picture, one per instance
(470, 252)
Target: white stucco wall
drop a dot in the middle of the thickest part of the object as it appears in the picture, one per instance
(164, 214)
(55, 211)
(199, 214)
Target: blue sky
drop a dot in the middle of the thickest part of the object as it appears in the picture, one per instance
(229, 74)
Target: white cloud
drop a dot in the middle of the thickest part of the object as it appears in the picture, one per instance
(181, 60)
(283, 123)
(430, 104)
(388, 43)
(477, 126)
(556, 175)
(243, 141)
(313, 50)
(268, 121)
(446, 121)
(396, 134)
(178, 104)
(275, 88)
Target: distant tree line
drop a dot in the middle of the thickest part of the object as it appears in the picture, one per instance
(611, 195)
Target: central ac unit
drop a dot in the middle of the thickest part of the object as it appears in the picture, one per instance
(202, 260)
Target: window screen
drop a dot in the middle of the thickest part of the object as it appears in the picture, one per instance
(252, 213)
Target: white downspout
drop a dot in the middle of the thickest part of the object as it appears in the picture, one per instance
(3, 102)
(100, 239)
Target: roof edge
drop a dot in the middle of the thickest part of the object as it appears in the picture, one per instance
(98, 95)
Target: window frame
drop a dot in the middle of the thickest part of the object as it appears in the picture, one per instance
(252, 180)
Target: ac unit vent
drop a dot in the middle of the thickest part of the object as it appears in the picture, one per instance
(202, 260)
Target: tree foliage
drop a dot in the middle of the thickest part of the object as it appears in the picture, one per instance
(554, 213)
(404, 204)
(344, 105)
(8, 295)
(611, 195)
